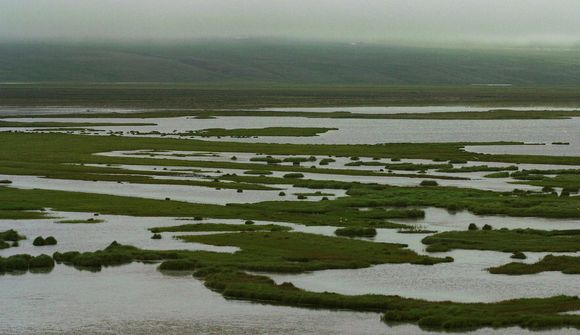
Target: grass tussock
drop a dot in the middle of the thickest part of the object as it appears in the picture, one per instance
(356, 232)
(516, 240)
(564, 264)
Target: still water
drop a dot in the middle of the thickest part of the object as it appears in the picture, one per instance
(138, 299)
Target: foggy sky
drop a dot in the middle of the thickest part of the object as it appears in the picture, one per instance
(407, 21)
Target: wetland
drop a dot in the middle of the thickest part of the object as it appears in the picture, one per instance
(290, 219)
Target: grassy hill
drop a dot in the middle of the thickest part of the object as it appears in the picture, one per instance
(263, 62)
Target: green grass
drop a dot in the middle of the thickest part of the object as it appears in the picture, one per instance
(314, 194)
(506, 240)
(10, 235)
(21, 263)
(258, 172)
(218, 227)
(87, 221)
(339, 212)
(330, 212)
(294, 175)
(278, 251)
(42, 154)
(476, 201)
(564, 264)
(400, 166)
(479, 168)
(563, 178)
(20, 214)
(47, 147)
(505, 114)
(292, 252)
(11, 124)
(533, 314)
(298, 252)
(429, 183)
(270, 131)
(356, 232)
(498, 175)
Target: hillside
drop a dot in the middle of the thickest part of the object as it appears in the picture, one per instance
(262, 62)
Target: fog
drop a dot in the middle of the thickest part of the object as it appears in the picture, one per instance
(549, 22)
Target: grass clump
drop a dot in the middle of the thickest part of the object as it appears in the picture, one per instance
(437, 316)
(315, 194)
(429, 183)
(416, 229)
(15, 263)
(498, 175)
(113, 255)
(297, 160)
(39, 241)
(518, 255)
(217, 227)
(506, 240)
(12, 236)
(294, 175)
(258, 172)
(87, 221)
(479, 168)
(326, 161)
(178, 265)
(41, 262)
(270, 131)
(278, 251)
(564, 264)
(298, 252)
(23, 262)
(267, 159)
(356, 232)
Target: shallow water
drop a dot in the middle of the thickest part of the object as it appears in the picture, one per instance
(469, 180)
(7, 110)
(362, 131)
(193, 194)
(127, 230)
(417, 109)
(464, 280)
(439, 218)
(542, 150)
(143, 298)
(137, 299)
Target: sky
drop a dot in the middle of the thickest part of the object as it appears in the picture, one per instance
(511, 22)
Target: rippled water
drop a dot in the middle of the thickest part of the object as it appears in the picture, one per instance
(137, 299)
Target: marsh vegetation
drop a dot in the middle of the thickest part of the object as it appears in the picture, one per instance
(322, 211)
